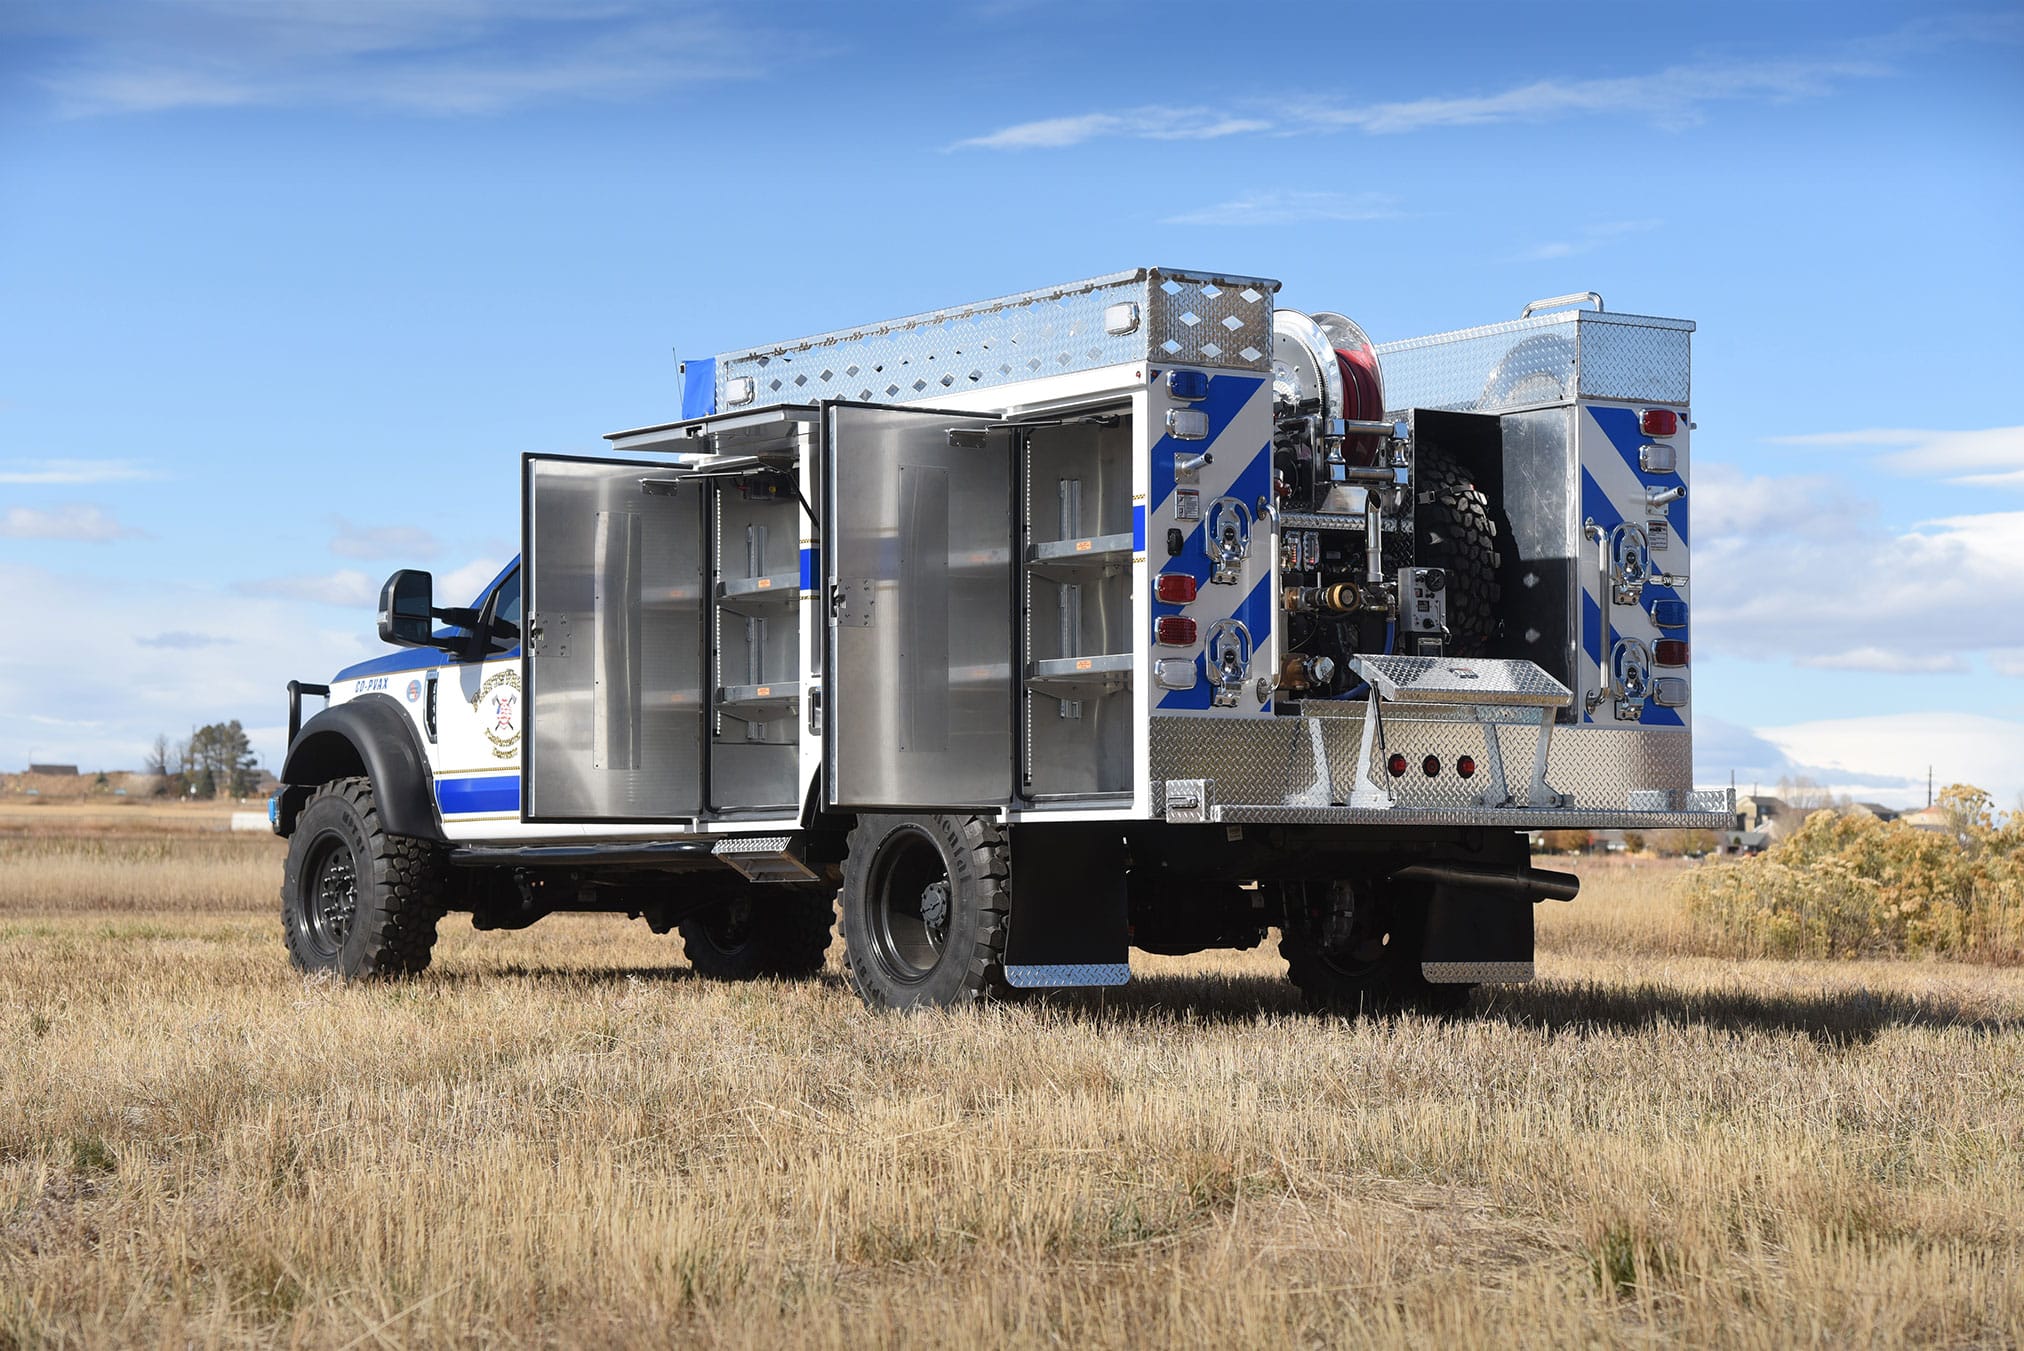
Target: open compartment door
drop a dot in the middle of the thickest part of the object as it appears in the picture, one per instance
(917, 545)
(613, 556)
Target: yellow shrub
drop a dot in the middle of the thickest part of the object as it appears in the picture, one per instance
(1854, 886)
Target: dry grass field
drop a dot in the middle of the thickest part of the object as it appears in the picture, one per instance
(560, 1137)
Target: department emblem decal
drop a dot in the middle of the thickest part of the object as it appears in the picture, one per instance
(414, 690)
(498, 708)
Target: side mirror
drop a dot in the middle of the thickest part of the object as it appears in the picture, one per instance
(407, 609)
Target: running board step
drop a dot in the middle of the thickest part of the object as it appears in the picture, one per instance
(766, 858)
(1461, 680)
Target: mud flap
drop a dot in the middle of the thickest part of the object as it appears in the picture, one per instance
(1069, 924)
(1476, 936)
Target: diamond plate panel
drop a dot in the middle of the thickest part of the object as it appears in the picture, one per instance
(753, 844)
(1198, 318)
(1548, 359)
(1067, 976)
(1476, 973)
(1634, 360)
(1260, 768)
(1461, 680)
(1203, 322)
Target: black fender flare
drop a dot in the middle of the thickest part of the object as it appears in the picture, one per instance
(369, 735)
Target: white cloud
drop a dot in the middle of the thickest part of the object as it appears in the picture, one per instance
(409, 542)
(96, 699)
(1587, 240)
(460, 585)
(2007, 661)
(1889, 660)
(1153, 123)
(1985, 457)
(1794, 569)
(1291, 208)
(71, 471)
(429, 56)
(1852, 753)
(1675, 97)
(182, 640)
(346, 586)
(77, 522)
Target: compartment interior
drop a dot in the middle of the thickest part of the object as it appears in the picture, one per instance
(1076, 609)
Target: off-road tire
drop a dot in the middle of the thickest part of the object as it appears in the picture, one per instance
(780, 932)
(1389, 983)
(1455, 532)
(889, 954)
(397, 888)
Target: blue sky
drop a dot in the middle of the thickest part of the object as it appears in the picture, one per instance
(286, 289)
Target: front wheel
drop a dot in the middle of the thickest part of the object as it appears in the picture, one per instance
(925, 901)
(782, 932)
(355, 899)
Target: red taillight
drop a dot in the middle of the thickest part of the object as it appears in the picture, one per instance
(1659, 421)
(1466, 767)
(1670, 652)
(1430, 766)
(1175, 630)
(1397, 764)
(1175, 588)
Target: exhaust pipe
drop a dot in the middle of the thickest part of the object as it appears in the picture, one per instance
(1528, 884)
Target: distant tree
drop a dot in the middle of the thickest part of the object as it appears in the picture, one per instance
(1566, 841)
(1804, 795)
(164, 759)
(1634, 841)
(222, 760)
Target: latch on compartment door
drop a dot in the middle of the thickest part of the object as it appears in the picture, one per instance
(1226, 538)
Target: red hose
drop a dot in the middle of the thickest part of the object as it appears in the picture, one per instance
(1363, 399)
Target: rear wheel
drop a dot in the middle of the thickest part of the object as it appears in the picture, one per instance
(1354, 950)
(781, 932)
(925, 900)
(355, 899)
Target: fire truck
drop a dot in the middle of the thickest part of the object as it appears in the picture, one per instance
(1138, 612)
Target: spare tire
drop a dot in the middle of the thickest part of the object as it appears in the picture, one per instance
(1453, 530)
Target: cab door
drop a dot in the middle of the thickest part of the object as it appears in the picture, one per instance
(613, 644)
(917, 547)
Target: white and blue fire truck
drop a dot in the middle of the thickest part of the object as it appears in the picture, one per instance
(1136, 612)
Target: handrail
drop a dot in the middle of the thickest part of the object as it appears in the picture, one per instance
(1555, 302)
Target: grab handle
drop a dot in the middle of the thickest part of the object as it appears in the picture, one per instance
(1560, 302)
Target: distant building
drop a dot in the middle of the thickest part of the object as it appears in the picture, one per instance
(1771, 815)
(1928, 818)
(1749, 841)
(1876, 809)
(69, 771)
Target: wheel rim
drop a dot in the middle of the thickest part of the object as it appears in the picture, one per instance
(728, 927)
(1371, 945)
(330, 894)
(910, 905)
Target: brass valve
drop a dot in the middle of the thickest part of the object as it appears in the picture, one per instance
(1342, 598)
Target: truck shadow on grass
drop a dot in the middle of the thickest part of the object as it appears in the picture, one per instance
(1556, 1008)
(1551, 1007)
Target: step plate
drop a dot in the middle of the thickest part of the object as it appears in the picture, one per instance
(1460, 680)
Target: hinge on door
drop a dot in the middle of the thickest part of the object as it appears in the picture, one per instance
(547, 636)
(851, 604)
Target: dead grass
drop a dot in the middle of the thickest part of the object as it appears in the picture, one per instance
(560, 1137)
